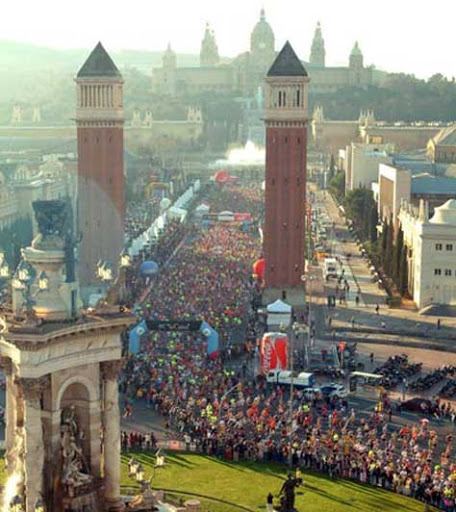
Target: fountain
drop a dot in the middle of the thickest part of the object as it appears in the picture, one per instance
(249, 155)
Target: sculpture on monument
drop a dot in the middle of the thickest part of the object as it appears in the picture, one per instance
(75, 470)
(288, 494)
(51, 217)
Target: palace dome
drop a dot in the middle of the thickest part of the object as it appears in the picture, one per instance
(445, 214)
(262, 37)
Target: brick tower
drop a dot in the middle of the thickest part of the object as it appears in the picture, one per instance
(286, 160)
(99, 118)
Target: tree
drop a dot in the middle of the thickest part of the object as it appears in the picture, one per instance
(359, 204)
(397, 255)
(387, 248)
(337, 185)
(373, 223)
(403, 272)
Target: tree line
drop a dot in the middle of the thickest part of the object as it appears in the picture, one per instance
(400, 97)
(385, 250)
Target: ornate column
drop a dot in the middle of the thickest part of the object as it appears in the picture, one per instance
(11, 407)
(111, 445)
(34, 443)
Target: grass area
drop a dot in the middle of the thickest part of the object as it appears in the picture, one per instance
(248, 483)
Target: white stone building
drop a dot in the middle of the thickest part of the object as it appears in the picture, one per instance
(362, 162)
(431, 247)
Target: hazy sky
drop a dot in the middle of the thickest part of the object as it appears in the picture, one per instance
(395, 35)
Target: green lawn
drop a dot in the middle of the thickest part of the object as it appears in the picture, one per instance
(247, 484)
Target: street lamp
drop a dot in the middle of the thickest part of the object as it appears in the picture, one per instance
(104, 271)
(125, 260)
(133, 465)
(39, 505)
(4, 269)
(23, 280)
(140, 475)
(308, 279)
(16, 504)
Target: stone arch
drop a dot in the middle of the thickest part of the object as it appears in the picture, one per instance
(78, 391)
(77, 379)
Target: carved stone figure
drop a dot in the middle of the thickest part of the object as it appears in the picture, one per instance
(51, 217)
(75, 470)
(288, 494)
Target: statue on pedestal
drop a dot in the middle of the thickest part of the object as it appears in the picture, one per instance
(288, 494)
(75, 470)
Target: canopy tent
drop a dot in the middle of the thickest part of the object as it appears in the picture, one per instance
(279, 313)
(177, 213)
(279, 307)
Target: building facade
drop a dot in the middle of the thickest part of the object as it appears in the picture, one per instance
(362, 162)
(285, 118)
(431, 247)
(99, 120)
(244, 73)
(442, 147)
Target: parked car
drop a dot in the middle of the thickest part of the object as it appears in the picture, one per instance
(420, 405)
(334, 390)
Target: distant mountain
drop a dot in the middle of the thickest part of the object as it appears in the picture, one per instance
(19, 57)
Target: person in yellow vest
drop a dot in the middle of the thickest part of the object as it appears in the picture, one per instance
(298, 475)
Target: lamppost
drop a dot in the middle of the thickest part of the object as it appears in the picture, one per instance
(308, 279)
(17, 504)
(298, 330)
(39, 505)
(23, 281)
(124, 264)
(4, 269)
(104, 271)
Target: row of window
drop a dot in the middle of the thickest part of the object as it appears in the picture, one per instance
(439, 247)
(447, 272)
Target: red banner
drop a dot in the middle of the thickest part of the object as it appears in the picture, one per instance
(242, 216)
(273, 352)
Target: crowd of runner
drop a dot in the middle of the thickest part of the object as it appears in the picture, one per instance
(215, 410)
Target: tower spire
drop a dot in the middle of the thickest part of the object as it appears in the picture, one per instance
(317, 51)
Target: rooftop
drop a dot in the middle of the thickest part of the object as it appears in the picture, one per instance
(99, 64)
(446, 136)
(429, 184)
(287, 63)
(445, 214)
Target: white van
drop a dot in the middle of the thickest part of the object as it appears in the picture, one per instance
(303, 379)
(330, 267)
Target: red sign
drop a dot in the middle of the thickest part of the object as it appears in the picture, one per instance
(238, 217)
(273, 352)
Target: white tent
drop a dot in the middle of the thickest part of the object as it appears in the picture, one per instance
(177, 213)
(279, 313)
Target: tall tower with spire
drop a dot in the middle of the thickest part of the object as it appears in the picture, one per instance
(286, 117)
(317, 51)
(262, 42)
(169, 65)
(356, 60)
(209, 56)
(99, 119)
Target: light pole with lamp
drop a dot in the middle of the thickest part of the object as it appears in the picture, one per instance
(23, 281)
(283, 328)
(125, 264)
(4, 268)
(308, 279)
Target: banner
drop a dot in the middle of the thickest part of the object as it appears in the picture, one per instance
(273, 352)
(173, 325)
(213, 344)
(134, 340)
(147, 325)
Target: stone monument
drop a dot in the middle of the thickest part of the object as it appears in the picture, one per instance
(61, 386)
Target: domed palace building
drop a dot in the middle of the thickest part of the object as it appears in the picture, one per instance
(244, 74)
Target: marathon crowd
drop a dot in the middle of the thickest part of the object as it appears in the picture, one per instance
(216, 410)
